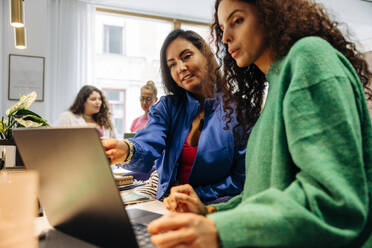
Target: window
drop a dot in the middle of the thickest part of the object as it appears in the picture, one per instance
(116, 101)
(139, 63)
(113, 39)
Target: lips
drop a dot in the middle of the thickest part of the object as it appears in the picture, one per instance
(233, 52)
(187, 77)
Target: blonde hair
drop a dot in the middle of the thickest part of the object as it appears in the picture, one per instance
(150, 85)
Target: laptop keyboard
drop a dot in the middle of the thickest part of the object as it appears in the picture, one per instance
(142, 235)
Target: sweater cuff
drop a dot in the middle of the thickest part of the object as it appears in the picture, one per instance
(226, 221)
(138, 152)
(233, 202)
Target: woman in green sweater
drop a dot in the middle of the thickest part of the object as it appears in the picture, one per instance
(309, 155)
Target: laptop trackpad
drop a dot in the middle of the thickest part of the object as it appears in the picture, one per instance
(141, 216)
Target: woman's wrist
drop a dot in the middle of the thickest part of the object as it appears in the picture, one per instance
(214, 230)
(130, 151)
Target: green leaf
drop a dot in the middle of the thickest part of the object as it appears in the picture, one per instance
(36, 119)
(22, 112)
(19, 116)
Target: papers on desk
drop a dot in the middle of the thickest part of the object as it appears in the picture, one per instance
(123, 180)
(133, 197)
(143, 193)
(146, 190)
(116, 170)
(127, 182)
(131, 186)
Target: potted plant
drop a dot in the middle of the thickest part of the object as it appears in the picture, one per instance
(19, 116)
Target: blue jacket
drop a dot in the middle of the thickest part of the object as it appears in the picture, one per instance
(218, 169)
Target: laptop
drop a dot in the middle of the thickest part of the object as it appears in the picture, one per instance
(77, 189)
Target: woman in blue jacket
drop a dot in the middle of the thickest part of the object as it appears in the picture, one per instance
(186, 134)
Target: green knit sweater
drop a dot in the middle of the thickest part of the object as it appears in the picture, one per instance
(308, 159)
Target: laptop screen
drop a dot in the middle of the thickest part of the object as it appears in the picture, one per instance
(77, 189)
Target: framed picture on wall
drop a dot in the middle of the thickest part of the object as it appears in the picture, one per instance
(26, 74)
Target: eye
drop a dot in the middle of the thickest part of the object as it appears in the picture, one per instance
(238, 20)
(187, 56)
(171, 65)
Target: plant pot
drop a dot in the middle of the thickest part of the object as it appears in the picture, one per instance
(18, 158)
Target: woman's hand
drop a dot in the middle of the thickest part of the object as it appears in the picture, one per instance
(116, 150)
(183, 230)
(184, 199)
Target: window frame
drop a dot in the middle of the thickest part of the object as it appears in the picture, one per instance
(176, 22)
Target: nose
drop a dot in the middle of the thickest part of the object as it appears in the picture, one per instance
(226, 36)
(181, 67)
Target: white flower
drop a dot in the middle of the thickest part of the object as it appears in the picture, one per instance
(24, 102)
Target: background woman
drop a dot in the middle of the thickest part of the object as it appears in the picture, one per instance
(185, 132)
(148, 97)
(90, 108)
(309, 155)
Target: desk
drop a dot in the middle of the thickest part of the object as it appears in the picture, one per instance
(57, 239)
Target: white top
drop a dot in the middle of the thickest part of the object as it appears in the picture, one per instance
(69, 119)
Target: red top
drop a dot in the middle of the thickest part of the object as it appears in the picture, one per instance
(187, 159)
(139, 123)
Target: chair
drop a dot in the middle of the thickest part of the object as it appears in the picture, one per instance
(129, 135)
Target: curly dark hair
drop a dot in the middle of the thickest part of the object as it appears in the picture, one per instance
(214, 75)
(284, 22)
(102, 118)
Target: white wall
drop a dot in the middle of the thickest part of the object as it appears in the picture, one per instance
(36, 25)
(357, 14)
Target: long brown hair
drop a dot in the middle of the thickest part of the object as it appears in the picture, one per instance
(284, 23)
(102, 118)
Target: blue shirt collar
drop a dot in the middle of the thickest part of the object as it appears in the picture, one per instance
(193, 103)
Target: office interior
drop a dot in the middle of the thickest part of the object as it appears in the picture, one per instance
(74, 38)
(115, 46)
